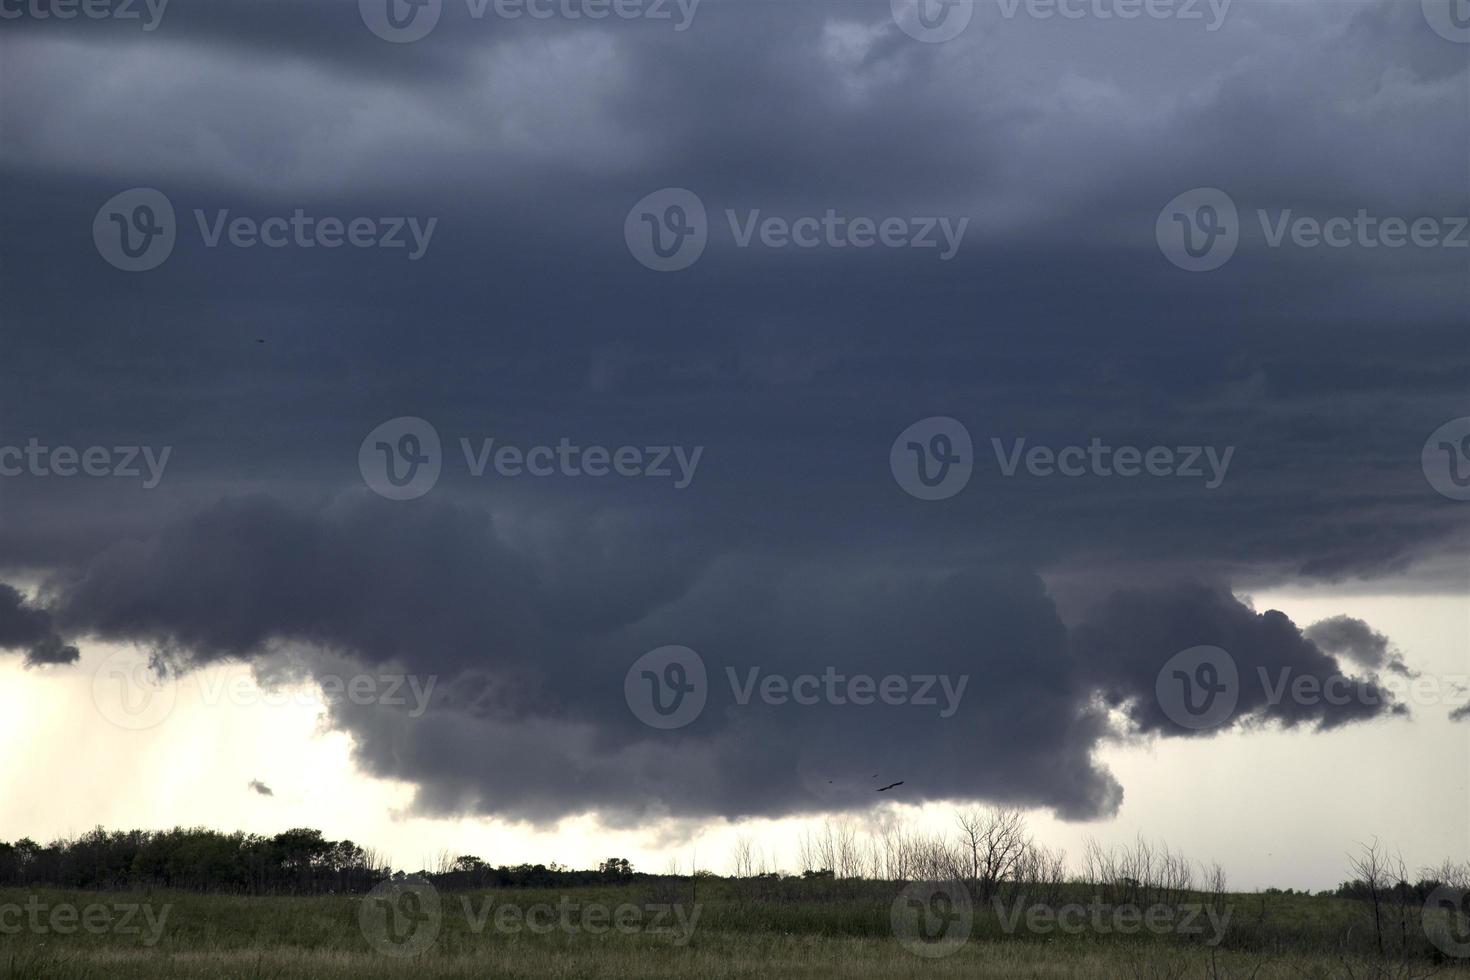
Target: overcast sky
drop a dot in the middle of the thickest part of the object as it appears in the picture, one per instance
(278, 258)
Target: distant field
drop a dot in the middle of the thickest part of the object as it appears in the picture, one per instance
(724, 930)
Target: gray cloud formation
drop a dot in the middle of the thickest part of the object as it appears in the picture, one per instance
(529, 719)
(27, 627)
(1357, 641)
(1125, 642)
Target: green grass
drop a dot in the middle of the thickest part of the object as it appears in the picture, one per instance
(744, 930)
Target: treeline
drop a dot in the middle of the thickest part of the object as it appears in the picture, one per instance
(296, 862)
(1382, 877)
(992, 852)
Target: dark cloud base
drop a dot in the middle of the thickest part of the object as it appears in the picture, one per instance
(529, 719)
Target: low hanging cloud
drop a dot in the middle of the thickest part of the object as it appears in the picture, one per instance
(1357, 641)
(28, 628)
(529, 721)
(1127, 639)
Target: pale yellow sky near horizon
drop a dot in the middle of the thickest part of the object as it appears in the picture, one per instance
(1275, 808)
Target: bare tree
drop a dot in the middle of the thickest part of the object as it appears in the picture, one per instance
(993, 846)
(1384, 878)
(741, 857)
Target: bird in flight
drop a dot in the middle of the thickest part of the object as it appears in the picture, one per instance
(890, 786)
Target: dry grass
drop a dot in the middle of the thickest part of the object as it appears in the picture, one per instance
(210, 936)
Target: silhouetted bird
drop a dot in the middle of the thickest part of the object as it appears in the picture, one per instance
(882, 789)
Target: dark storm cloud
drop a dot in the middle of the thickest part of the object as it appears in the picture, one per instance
(1058, 321)
(1357, 641)
(26, 627)
(1123, 645)
(530, 720)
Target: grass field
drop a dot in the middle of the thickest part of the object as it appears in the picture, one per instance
(661, 929)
